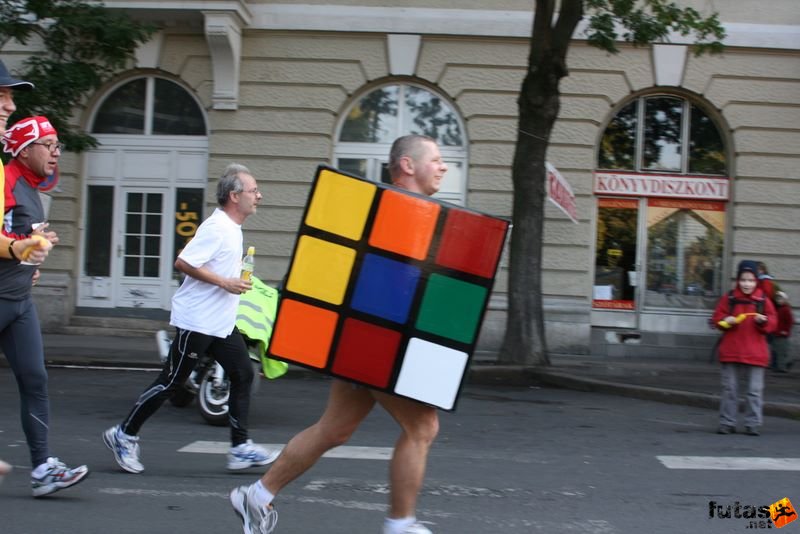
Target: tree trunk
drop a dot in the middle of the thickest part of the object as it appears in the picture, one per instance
(524, 341)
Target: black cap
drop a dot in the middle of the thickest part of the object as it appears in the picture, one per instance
(7, 81)
(747, 266)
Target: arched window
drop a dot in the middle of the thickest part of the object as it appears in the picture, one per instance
(662, 134)
(662, 191)
(376, 119)
(149, 106)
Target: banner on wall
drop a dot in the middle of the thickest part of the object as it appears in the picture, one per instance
(387, 288)
(560, 193)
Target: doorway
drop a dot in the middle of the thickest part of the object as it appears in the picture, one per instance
(144, 199)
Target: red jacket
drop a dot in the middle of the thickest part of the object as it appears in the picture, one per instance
(785, 321)
(745, 342)
(767, 286)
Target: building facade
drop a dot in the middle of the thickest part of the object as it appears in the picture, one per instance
(681, 166)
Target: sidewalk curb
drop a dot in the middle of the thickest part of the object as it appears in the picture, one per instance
(494, 375)
(669, 396)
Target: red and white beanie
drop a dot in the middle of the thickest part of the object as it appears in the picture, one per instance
(26, 132)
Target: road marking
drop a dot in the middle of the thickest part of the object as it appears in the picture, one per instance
(493, 524)
(437, 489)
(730, 463)
(588, 526)
(104, 367)
(348, 452)
(676, 423)
(163, 493)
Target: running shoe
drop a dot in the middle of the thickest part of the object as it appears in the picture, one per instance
(125, 449)
(414, 528)
(57, 477)
(256, 519)
(248, 454)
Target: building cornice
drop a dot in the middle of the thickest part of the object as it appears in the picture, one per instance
(470, 22)
(421, 21)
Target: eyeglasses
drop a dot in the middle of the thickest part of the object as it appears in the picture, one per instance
(52, 147)
(255, 191)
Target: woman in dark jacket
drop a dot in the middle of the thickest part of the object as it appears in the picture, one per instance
(746, 317)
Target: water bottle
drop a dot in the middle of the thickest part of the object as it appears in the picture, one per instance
(248, 263)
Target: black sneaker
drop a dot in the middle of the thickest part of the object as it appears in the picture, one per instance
(726, 429)
(752, 431)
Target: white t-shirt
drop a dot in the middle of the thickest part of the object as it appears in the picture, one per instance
(199, 306)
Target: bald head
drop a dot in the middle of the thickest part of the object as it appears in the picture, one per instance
(416, 164)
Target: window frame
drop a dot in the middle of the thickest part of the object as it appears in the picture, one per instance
(685, 143)
(149, 106)
(377, 154)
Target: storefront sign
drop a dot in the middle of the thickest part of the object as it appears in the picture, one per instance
(659, 185)
(613, 304)
(560, 193)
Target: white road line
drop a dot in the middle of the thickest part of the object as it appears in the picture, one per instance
(730, 463)
(492, 524)
(337, 485)
(345, 451)
(105, 367)
(677, 423)
(163, 493)
(588, 526)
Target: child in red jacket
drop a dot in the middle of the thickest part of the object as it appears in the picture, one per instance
(780, 339)
(745, 317)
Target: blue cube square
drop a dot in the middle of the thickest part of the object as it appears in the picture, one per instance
(385, 288)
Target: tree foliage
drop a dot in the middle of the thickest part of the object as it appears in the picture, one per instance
(640, 22)
(84, 44)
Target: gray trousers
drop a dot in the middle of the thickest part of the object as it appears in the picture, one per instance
(729, 397)
(780, 347)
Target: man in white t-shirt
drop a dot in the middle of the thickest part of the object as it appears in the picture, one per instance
(204, 317)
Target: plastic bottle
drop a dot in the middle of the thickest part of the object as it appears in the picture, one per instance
(248, 263)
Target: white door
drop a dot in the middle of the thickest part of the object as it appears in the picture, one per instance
(140, 196)
(142, 247)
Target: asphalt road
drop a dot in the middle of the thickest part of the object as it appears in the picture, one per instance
(510, 460)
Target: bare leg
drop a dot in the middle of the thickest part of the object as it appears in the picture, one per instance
(4, 469)
(419, 424)
(348, 405)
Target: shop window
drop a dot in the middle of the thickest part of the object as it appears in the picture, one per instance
(150, 106)
(684, 253)
(666, 156)
(376, 119)
(615, 276)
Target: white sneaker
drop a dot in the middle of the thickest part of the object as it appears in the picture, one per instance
(256, 519)
(57, 477)
(164, 344)
(414, 528)
(248, 454)
(125, 449)
(4, 470)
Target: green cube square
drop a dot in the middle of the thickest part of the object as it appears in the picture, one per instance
(451, 308)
